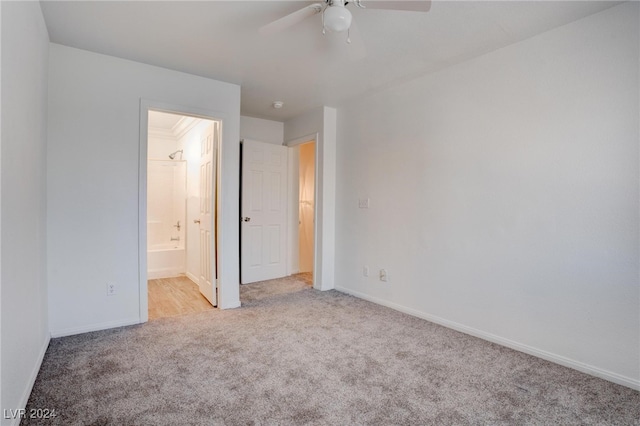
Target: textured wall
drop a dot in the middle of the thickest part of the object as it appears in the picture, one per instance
(504, 195)
(93, 162)
(25, 327)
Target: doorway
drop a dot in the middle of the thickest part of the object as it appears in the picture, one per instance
(303, 208)
(306, 207)
(182, 193)
(278, 210)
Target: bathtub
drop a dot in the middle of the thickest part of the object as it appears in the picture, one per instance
(165, 261)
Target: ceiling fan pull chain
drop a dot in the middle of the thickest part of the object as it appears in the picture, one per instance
(349, 35)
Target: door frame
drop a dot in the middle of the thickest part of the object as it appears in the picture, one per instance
(146, 106)
(292, 223)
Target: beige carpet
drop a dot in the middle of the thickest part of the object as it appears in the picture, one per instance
(292, 355)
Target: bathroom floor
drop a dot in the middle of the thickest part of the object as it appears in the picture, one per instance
(169, 297)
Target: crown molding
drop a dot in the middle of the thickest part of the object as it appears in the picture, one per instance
(184, 126)
(159, 133)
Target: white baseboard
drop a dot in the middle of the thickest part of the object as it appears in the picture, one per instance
(32, 379)
(558, 359)
(192, 277)
(232, 305)
(94, 327)
(157, 274)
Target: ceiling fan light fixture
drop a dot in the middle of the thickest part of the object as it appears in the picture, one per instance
(337, 18)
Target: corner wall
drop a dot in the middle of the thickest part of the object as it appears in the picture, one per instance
(94, 135)
(24, 333)
(258, 129)
(505, 196)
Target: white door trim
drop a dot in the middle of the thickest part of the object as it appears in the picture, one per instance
(146, 106)
(293, 212)
(313, 137)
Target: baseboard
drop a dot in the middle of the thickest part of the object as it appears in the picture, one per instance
(94, 327)
(558, 359)
(192, 277)
(32, 380)
(232, 305)
(157, 274)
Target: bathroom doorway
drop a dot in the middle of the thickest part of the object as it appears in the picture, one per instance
(182, 201)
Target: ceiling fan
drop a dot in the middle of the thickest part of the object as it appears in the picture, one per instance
(337, 18)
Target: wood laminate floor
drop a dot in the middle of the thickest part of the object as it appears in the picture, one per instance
(169, 297)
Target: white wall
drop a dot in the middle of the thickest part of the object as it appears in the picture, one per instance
(0, 206)
(161, 144)
(94, 107)
(504, 196)
(258, 129)
(25, 330)
(320, 121)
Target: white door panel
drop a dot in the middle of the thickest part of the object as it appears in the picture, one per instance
(208, 184)
(263, 222)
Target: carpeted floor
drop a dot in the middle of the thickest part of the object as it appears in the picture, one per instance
(293, 355)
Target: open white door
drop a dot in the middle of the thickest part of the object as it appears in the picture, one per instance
(208, 185)
(263, 210)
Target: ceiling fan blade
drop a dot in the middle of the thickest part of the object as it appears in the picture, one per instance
(410, 5)
(291, 19)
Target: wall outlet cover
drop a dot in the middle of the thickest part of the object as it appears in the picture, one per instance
(111, 289)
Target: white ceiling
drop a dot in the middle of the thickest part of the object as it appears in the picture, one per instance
(300, 66)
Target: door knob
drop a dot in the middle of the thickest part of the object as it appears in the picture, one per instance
(246, 219)
(196, 220)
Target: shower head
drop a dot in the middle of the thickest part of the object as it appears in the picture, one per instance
(173, 154)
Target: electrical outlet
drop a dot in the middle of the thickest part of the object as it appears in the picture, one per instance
(365, 271)
(111, 289)
(383, 275)
(363, 203)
